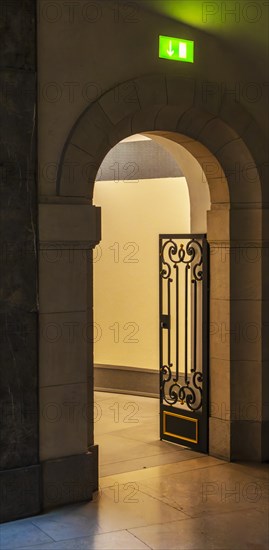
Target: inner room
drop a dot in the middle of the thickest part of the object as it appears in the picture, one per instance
(143, 193)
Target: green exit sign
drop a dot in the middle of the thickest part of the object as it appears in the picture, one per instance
(176, 49)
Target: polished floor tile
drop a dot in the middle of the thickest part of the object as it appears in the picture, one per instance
(153, 494)
(68, 523)
(124, 506)
(127, 432)
(162, 470)
(260, 471)
(121, 454)
(124, 412)
(120, 540)
(209, 491)
(232, 531)
(22, 532)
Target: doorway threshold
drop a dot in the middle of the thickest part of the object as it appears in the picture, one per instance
(127, 432)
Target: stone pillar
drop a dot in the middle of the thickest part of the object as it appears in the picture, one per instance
(236, 333)
(68, 233)
(19, 469)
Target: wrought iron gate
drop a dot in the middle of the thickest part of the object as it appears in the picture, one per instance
(184, 340)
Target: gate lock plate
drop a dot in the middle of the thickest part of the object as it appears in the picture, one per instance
(165, 321)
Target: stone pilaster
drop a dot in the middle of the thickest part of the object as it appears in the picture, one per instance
(68, 233)
(236, 328)
(19, 470)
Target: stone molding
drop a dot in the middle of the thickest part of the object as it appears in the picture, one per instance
(64, 225)
(129, 380)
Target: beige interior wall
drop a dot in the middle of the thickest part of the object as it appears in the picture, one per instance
(126, 282)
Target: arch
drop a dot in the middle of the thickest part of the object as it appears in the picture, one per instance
(220, 139)
(227, 144)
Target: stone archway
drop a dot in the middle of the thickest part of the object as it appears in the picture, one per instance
(226, 143)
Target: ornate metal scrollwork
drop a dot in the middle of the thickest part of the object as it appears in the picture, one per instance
(174, 390)
(182, 393)
(178, 255)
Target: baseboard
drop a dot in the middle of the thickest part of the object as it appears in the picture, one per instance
(20, 493)
(70, 479)
(129, 380)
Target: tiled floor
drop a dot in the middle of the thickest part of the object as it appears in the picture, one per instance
(153, 494)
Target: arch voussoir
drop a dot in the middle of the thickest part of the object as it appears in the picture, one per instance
(92, 129)
(168, 118)
(193, 121)
(216, 134)
(120, 102)
(180, 91)
(144, 119)
(151, 90)
(241, 172)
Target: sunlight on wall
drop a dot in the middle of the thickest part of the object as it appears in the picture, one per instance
(126, 269)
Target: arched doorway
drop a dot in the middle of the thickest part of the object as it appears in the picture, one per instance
(153, 200)
(227, 146)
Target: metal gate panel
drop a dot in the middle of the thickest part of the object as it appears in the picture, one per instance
(184, 331)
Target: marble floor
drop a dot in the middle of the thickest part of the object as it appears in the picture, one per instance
(153, 495)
